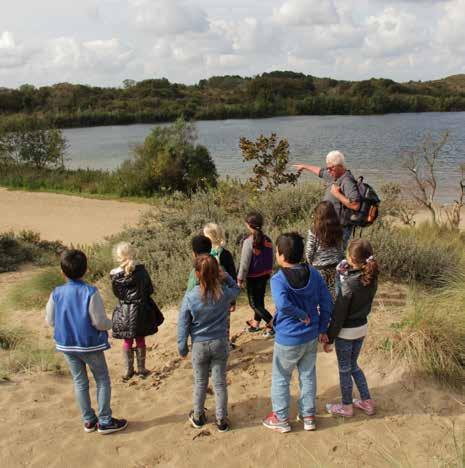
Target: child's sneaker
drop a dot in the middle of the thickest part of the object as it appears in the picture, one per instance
(338, 409)
(222, 425)
(309, 422)
(273, 422)
(90, 426)
(197, 423)
(367, 406)
(114, 426)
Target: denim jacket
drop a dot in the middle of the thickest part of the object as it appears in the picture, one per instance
(204, 321)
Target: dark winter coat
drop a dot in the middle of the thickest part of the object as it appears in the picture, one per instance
(353, 303)
(136, 313)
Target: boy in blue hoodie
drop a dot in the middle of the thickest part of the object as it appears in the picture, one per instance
(76, 311)
(298, 292)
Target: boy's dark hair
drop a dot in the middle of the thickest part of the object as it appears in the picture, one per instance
(73, 263)
(201, 245)
(291, 246)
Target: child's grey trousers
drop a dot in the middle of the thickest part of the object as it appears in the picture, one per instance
(206, 355)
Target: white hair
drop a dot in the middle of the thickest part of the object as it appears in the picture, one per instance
(336, 158)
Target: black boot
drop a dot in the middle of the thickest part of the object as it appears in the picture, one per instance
(129, 362)
(141, 370)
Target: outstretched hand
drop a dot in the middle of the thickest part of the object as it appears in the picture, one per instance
(298, 167)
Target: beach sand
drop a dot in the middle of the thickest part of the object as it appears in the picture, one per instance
(70, 219)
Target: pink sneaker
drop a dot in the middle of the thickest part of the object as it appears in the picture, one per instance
(338, 409)
(273, 422)
(367, 406)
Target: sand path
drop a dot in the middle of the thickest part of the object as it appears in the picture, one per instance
(417, 424)
(70, 219)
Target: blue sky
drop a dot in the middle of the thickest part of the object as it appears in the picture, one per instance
(103, 42)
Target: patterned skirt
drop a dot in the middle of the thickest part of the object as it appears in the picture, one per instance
(329, 275)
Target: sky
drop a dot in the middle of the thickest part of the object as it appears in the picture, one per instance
(103, 42)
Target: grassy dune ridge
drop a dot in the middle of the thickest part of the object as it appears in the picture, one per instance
(429, 260)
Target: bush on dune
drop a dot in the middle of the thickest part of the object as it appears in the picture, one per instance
(26, 246)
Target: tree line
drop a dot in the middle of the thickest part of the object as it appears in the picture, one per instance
(276, 93)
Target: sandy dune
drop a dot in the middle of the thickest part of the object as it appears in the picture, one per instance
(67, 218)
(417, 423)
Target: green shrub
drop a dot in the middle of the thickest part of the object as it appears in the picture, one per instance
(163, 236)
(424, 255)
(26, 246)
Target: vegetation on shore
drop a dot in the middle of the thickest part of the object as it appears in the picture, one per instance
(170, 159)
(223, 97)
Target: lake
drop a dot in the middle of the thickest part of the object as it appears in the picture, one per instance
(373, 145)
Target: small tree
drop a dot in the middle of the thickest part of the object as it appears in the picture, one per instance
(37, 147)
(271, 159)
(169, 159)
(396, 205)
(453, 213)
(421, 165)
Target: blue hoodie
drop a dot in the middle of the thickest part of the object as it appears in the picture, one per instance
(205, 321)
(295, 305)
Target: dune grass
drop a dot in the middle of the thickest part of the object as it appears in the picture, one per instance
(431, 335)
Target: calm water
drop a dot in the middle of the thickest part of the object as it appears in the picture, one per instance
(373, 145)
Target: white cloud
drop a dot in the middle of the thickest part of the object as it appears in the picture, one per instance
(165, 17)
(103, 55)
(394, 32)
(13, 55)
(451, 27)
(306, 13)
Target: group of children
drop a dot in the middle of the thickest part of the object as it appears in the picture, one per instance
(325, 299)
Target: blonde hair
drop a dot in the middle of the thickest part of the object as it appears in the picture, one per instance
(125, 254)
(215, 233)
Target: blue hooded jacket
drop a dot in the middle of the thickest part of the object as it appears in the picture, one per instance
(295, 305)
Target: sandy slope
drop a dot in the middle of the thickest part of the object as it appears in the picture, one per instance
(67, 218)
(40, 427)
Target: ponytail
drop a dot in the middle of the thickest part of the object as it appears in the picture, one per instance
(208, 272)
(361, 253)
(370, 271)
(255, 221)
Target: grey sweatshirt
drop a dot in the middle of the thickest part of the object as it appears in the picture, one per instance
(97, 313)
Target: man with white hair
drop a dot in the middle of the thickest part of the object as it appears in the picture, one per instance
(342, 190)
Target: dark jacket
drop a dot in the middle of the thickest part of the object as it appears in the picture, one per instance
(353, 303)
(136, 314)
(226, 260)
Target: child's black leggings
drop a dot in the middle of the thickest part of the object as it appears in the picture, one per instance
(256, 289)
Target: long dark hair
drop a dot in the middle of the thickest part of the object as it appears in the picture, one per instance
(361, 253)
(209, 277)
(255, 221)
(326, 225)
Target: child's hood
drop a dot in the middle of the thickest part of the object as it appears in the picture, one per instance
(300, 278)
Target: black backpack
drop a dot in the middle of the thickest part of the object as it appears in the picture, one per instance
(369, 205)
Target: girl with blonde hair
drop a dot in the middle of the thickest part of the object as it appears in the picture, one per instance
(136, 315)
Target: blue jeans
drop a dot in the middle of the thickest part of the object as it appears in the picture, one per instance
(206, 355)
(347, 352)
(285, 360)
(77, 362)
